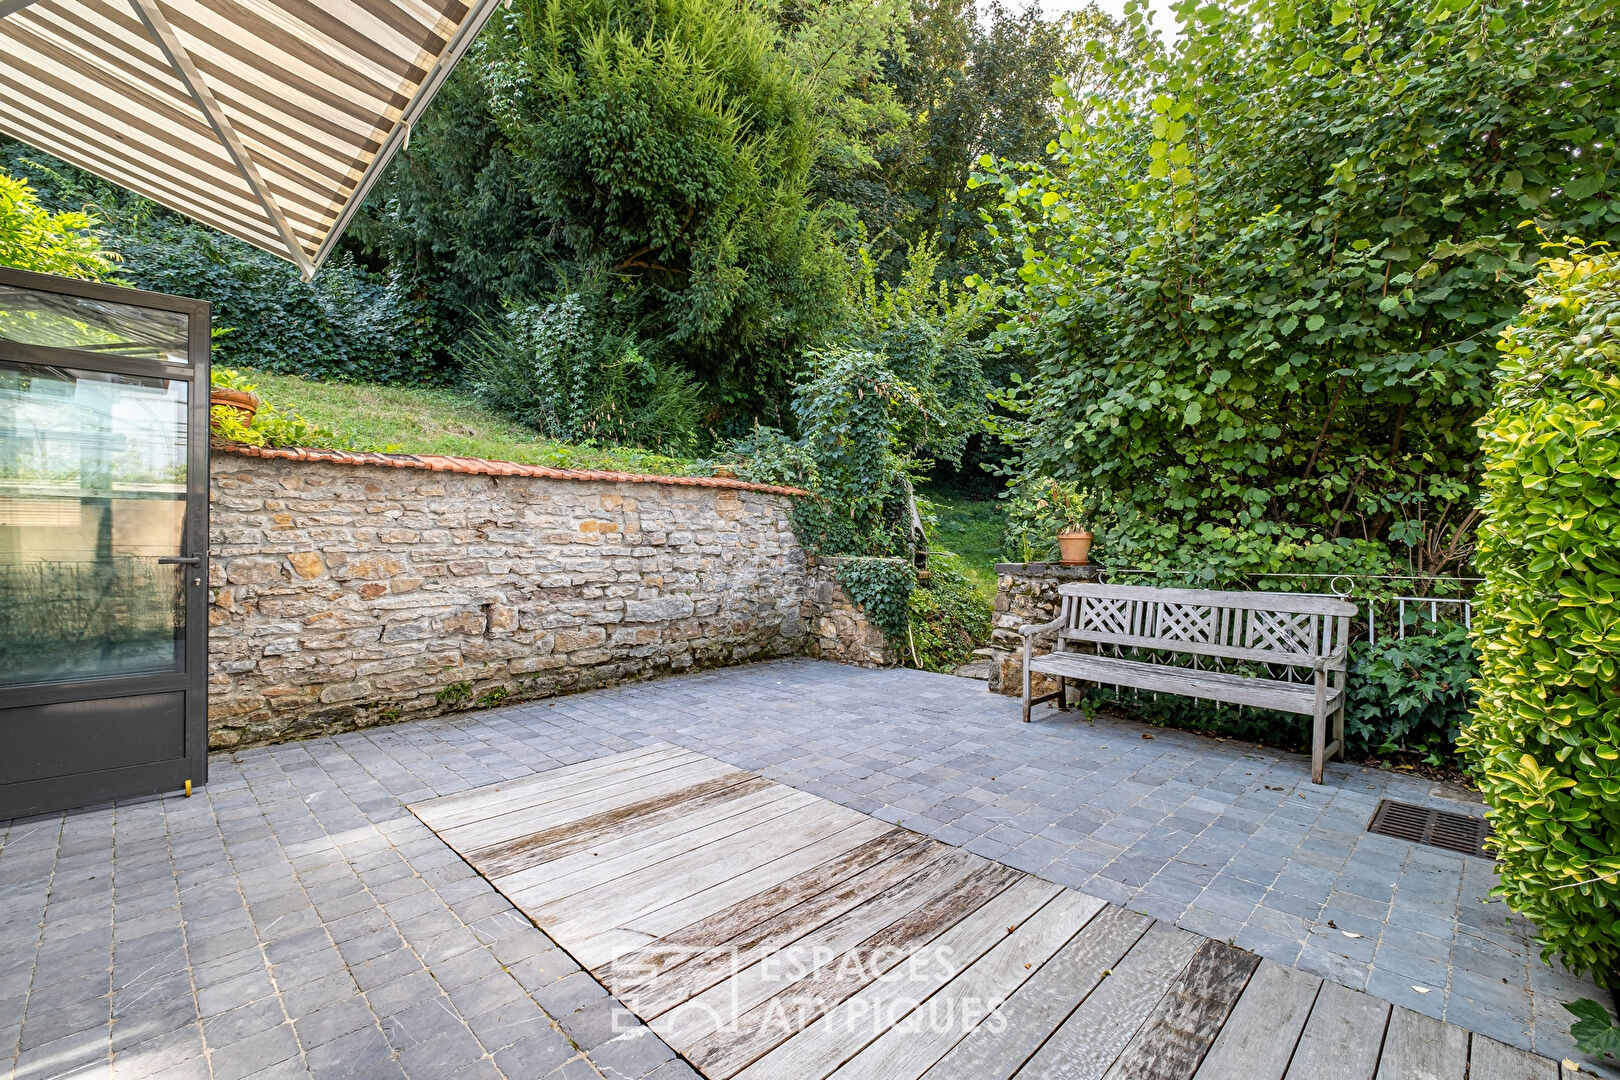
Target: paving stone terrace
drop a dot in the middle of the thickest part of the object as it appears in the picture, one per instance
(293, 918)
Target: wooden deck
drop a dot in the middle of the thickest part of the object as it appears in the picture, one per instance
(768, 934)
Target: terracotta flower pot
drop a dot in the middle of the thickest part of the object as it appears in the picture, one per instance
(1075, 548)
(244, 403)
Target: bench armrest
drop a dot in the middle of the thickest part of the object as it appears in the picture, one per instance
(1032, 630)
(1334, 659)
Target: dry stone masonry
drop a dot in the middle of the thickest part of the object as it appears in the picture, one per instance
(1026, 595)
(345, 595)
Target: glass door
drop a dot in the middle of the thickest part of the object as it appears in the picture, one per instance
(103, 543)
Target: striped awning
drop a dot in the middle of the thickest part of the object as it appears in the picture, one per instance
(267, 119)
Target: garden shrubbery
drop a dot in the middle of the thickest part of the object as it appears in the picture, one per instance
(1545, 737)
(950, 617)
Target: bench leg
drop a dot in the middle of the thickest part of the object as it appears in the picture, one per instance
(1028, 656)
(1338, 729)
(1063, 693)
(1319, 729)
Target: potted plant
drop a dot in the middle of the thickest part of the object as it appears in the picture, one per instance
(229, 389)
(1068, 508)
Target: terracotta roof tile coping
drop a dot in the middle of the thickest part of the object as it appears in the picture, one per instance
(486, 467)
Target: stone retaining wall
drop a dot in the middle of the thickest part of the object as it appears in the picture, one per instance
(838, 628)
(345, 595)
(1026, 594)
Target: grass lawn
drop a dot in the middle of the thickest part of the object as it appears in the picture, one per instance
(418, 421)
(972, 529)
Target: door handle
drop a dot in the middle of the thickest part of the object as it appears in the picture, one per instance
(180, 560)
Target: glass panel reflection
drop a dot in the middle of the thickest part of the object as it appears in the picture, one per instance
(92, 494)
(101, 326)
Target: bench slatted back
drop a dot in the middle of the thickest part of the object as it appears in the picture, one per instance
(1276, 628)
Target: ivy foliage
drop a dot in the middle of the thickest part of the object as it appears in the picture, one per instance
(855, 413)
(883, 588)
(1259, 276)
(1545, 737)
(346, 325)
(1410, 696)
(949, 616)
(32, 238)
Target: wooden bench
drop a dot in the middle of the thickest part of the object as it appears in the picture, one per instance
(1098, 625)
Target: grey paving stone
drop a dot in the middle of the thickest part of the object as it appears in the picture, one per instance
(631, 1055)
(250, 1055)
(291, 848)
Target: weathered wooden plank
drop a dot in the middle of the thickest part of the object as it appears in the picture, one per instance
(616, 791)
(995, 1051)
(805, 994)
(619, 858)
(842, 1033)
(533, 849)
(772, 918)
(1170, 1045)
(729, 956)
(1259, 1037)
(1094, 1034)
(910, 1048)
(1296, 657)
(1491, 1060)
(446, 808)
(591, 910)
(896, 915)
(641, 929)
(1342, 1036)
(1297, 603)
(464, 808)
(1419, 1048)
(1188, 682)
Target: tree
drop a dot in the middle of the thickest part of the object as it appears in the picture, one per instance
(1260, 277)
(32, 238)
(978, 81)
(343, 325)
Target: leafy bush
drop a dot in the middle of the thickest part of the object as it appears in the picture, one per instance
(1259, 276)
(854, 413)
(271, 425)
(768, 456)
(930, 336)
(1545, 737)
(1411, 695)
(949, 616)
(33, 238)
(556, 368)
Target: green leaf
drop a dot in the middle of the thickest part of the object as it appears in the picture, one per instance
(1594, 1032)
(1584, 185)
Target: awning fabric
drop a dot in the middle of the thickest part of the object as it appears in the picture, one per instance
(267, 119)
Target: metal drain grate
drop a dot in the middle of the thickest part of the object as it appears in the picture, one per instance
(1426, 825)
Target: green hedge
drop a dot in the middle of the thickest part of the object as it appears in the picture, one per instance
(1545, 736)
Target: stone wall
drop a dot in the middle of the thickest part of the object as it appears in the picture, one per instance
(345, 594)
(837, 626)
(1026, 595)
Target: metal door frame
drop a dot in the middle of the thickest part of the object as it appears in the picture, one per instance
(24, 798)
